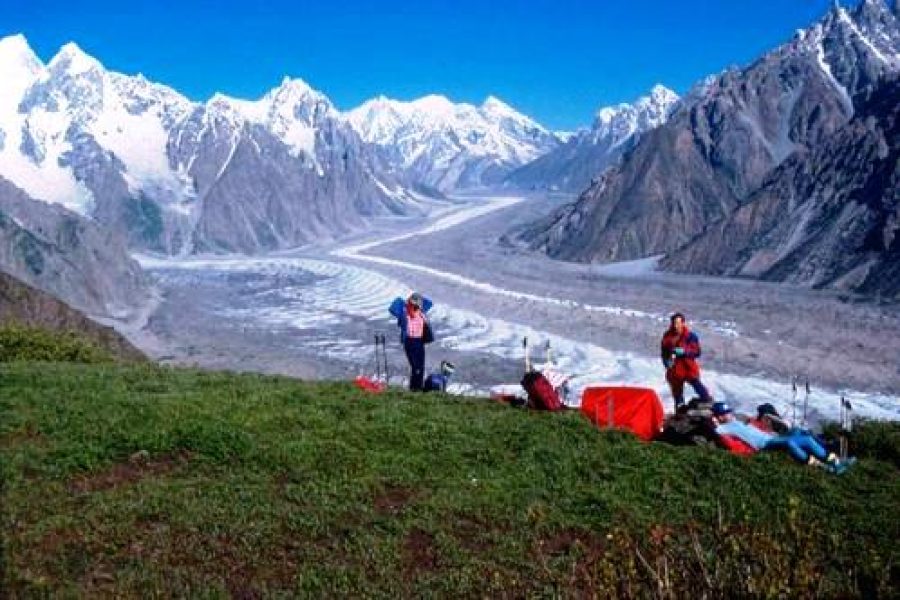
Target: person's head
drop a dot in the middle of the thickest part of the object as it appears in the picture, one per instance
(766, 410)
(722, 412)
(677, 322)
(415, 301)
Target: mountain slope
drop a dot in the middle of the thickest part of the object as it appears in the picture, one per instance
(24, 306)
(68, 256)
(826, 217)
(147, 162)
(587, 153)
(446, 146)
(726, 138)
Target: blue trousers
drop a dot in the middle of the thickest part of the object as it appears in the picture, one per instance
(415, 354)
(799, 444)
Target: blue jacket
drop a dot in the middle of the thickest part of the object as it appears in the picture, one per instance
(746, 433)
(398, 310)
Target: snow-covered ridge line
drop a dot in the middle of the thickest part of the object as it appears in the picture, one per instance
(448, 145)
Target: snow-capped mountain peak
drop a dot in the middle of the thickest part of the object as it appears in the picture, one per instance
(72, 59)
(660, 94)
(434, 105)
(14, 50)
(495, 105)
(445, 144)
(19, 67)
(293, 91)
(619, 123)
(588, 152)
(292, 111)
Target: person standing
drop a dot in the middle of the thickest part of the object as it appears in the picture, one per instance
(680, 350)
(415, 332)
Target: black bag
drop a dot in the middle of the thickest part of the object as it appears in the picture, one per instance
(427, 333)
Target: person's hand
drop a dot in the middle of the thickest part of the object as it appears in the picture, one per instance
(679, 352)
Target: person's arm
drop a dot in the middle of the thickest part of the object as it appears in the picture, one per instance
(426, 304)
(397, 307)
(665, 353)
(692, 346)
(747, 434)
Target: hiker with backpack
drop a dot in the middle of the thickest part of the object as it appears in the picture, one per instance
(680, 349)
(415, 333)
(802, 446)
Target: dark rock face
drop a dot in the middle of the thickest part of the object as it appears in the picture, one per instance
(253, 194)
(68, 256)
(725, 140)
(826, 217)
(22, 304)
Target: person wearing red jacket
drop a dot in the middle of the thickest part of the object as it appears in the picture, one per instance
(680, 350)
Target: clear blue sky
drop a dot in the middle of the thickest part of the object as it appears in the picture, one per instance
(556, 60)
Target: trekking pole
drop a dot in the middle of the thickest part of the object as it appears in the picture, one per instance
(806, 404)
(549, 356)
(794, 401)
(841, 437)
(387, 375)
(380, 363)
(377, 359)
(527, 361)
(846, 426)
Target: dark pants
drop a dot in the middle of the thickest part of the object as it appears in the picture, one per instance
(677, 386)
(415, 354)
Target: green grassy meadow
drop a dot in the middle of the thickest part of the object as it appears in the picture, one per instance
(136, 481)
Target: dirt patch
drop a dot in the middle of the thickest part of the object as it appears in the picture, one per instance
(393, 499)
(419, 552)
(568, 541)
(471, 534)
(138, 467)
(575, 559)
(59, 538)
(27, 435)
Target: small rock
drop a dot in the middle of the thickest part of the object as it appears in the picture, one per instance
(140, 457)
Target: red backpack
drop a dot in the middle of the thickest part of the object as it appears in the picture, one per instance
(541, 395)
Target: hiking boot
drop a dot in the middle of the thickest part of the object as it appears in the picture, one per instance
(839, 467)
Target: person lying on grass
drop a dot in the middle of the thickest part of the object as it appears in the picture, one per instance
(802, 446)
(767, 419)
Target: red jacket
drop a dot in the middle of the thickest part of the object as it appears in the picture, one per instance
(684, 367)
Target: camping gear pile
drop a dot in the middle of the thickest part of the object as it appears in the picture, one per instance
(543, 387)
(633, 409)
(542, 394)
(438, 382)
(378, 382)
